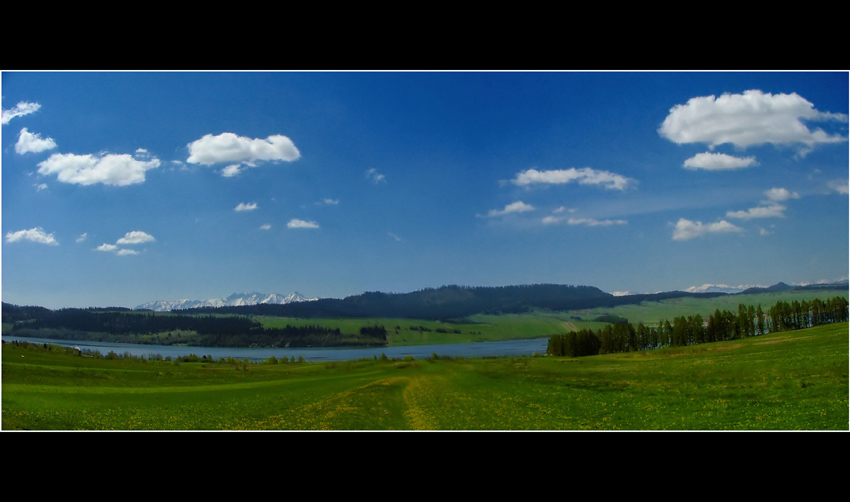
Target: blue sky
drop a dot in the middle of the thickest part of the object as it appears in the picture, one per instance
(125, 187)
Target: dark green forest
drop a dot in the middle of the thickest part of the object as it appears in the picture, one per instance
(693, 330)
(209, 330)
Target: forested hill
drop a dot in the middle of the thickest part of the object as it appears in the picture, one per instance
(451, 302)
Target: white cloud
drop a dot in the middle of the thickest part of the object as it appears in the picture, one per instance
(718, 162)
(34, 234)
(245, 207)
(395, 237)
(587, 222)
(687, 229)
(592, 222)
(83, 236)
(375, 177)
(245, 152)
(21, 109)
(779, 194)
(33, 143)
(839, 186)
(747, 119)
(330, 202)
(135, 237)
(40, 187)
(109, 169)
(769, 211)
(583, 176)
(231, 171)
(296, 223)
(130, 238)
(514, 207)
(266, 226)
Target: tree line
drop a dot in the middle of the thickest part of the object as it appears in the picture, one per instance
(167, 329)
(694, 329)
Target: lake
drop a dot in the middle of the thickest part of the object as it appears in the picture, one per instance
(503, 348)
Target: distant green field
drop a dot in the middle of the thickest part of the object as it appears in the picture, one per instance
(652, 312)
(795, 380)
(402, 332)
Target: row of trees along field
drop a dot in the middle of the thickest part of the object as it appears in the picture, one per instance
(692, 330)
(122, 325)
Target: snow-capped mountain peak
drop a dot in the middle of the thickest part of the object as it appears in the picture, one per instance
(234, 300)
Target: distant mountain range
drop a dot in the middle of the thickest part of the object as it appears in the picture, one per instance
(456, 302)
(234, 300)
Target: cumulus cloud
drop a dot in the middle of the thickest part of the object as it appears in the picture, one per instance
(296, 223)
(21, 109)
(768, 211)
(109, 169)
(779, 194)
(374, 176)
(36, 234)
(583, 176)
(718, 162)
(514, 207)
(130, 238)
(687, 229)
(245, 207)
(244, 152)
(748, 119)
(33, 143)
(135, 237)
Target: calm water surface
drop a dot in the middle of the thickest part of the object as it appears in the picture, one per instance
(479, 349)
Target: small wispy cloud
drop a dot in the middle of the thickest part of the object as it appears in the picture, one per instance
(36, 234)
(512, 208)
(767, 211)
(250, 206)
(21, 109)
(395, 237)
(266, 226)
(374, 176)
(83, 236)
(296, 223)
(687, 229)
(585, 222)
(839, 186)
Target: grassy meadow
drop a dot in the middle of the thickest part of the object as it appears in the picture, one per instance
(795, 380)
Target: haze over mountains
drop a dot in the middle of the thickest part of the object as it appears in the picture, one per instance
(234, 300)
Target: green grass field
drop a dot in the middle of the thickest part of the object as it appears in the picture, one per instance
(786, 381)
